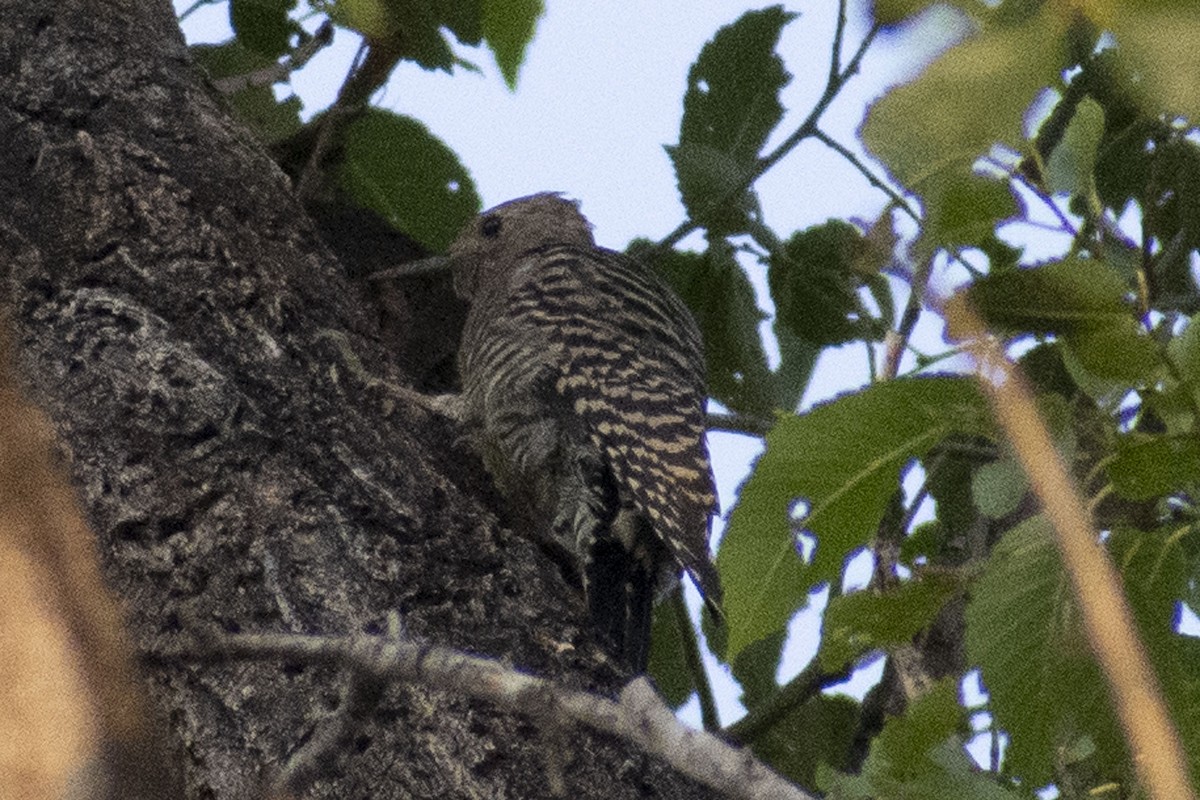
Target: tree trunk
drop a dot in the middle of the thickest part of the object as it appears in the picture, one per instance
(224, 401)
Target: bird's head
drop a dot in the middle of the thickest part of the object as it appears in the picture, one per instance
(492, 243)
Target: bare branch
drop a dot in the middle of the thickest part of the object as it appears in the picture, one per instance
(638, 716)
(278, 72)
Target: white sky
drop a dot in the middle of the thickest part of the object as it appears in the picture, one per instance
(598, 97)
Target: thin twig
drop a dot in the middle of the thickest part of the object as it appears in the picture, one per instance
(693, 662)
(280, 71)
(871, 177)
(638, 716)
(196, 6)
(332, 119)
(839, 36)
(1067, 226)
(897, 342)
(313, 760)
(739, 423)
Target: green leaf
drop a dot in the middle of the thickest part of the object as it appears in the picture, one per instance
(464, 18)
(814, 281)
(1166, 67)
(926, 541)
(716, 289)
(844, 460)
(819, 731)
(1079, 299)
(999, 488)
(919, 756)
(508, 27)
(394, 166)
(413, 27)
(1146, 467)
(931, 132)
(797, 359)
(755, 669)
(731, 106)
(372, 18)
(949, 475)
(263, 25)
(1072, 164)
(1158, 568)
(971, 98)
(891, 12)
(964, 209)
(707, 176)
(1023, 632)
(668, 666)
(863, 622)
(1184, 352)
(271, 120)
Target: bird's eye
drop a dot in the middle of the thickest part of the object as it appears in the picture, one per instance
(490, 227)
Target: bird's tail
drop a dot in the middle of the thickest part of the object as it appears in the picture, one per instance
(621, 587)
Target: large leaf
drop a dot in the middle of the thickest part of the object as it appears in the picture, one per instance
(756, 669)
(844, 461)
(963, 209)
(919, 756)
(1158, 568)
(862, 622)
(972, 97)
(1166, 64)
(412, 28)
(1072, 164)
(1184, 353)
(271, 120)
(264, 25)
(797, 359)
(815, 733)
(814, 280)
(716, 289)
(1023, 632)
(396, 167)
(931, 131)
(668, 663)
(731, 106)
(508, 27)
(1153, 466)
(1079, 299)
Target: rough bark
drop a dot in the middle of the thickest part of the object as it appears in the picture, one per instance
(221, 393)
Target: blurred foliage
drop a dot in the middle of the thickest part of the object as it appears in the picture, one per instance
(1077, 112)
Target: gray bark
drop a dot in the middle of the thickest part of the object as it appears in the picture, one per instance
(221, 392)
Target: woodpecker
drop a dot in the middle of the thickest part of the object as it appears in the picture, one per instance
(583, 391)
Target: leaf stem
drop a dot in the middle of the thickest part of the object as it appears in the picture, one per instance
(693, 662)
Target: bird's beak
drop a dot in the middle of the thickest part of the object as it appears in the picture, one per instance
(410, 269)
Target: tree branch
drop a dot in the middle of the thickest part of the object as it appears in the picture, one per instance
(638, 716)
